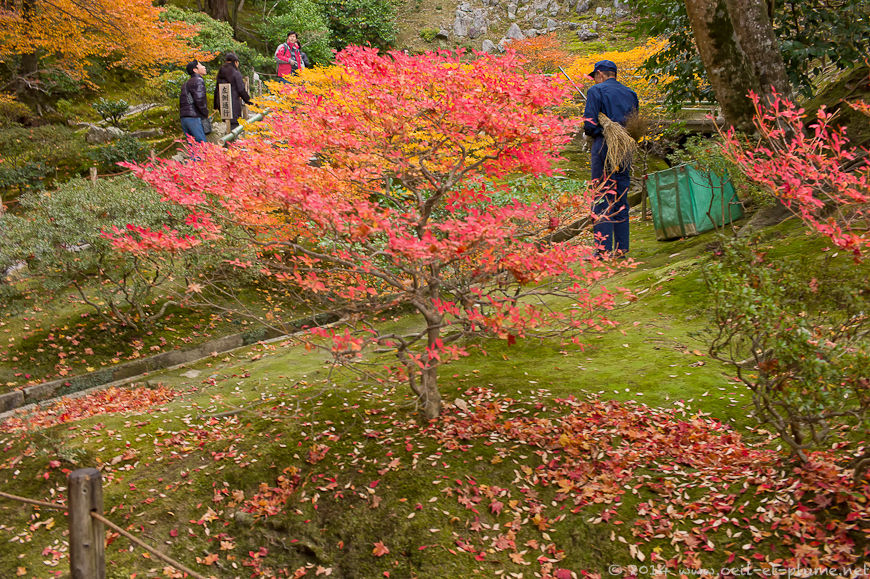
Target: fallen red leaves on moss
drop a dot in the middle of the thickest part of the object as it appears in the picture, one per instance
(110, 400)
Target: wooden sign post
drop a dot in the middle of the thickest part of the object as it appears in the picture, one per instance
(244, 106)
(225, 95)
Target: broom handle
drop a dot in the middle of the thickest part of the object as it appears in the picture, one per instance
(577, 88)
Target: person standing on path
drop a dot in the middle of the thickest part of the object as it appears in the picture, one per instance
(229, 74)
(610, 210)
(192, 104)
(290, 58)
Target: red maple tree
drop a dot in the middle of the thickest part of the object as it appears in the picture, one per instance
(811, 168)
(402, 205)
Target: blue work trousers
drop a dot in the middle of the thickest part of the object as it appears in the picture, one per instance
(611, 206)
(193, 126)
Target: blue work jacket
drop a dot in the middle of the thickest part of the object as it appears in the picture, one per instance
(612, 98)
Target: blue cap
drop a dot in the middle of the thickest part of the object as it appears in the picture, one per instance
(608, 65)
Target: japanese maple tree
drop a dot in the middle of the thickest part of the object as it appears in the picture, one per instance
(66, 36)
(382, 191)
(795, 329)
(812, 169)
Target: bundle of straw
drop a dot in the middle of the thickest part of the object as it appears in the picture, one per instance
(620, 146)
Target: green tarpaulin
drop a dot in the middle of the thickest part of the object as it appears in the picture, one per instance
(686, 201)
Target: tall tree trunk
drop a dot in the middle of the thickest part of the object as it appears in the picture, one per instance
(27, 72)
(218, 10)
(728, 70)
(237, 5)
(29, 64)
(759, 44)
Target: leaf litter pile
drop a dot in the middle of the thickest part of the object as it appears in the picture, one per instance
(110, 400)
(500, 485)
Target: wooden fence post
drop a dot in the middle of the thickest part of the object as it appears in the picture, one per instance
(87, 536)
(93, 175)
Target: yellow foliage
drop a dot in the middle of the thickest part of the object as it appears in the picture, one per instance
(629, 63)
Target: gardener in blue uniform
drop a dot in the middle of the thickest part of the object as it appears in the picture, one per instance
(610, 211)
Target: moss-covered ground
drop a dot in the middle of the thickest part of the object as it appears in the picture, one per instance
(546, 462)
(46, 337)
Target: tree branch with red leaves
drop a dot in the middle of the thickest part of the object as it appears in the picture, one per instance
(401, 207)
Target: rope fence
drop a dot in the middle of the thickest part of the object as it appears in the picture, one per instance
(87, 538)
(152, 550)
(33, 502)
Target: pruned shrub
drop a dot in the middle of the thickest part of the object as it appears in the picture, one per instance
(127, 148)
(795, 331)
(63, 237)
(12, 112)
(111, 111)
(59, 236)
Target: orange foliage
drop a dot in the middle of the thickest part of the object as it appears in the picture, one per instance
(71, 33)
(544, 53)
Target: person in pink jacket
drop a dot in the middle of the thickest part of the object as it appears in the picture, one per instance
(290, 58)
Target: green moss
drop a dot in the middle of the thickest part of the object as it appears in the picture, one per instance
(851, 86)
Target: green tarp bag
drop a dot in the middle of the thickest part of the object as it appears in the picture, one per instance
(686, 202)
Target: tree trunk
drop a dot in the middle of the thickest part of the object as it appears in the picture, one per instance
(430, 397)
(427, 392)
(218, 10)
(728, 70)
(757, 41)
(26, 75)
(235, 21)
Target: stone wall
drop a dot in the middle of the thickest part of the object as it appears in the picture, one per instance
(525, 19)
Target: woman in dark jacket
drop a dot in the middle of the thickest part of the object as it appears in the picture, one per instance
(229, 74)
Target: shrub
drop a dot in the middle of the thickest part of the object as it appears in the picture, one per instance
(361, 22)
(428, 34)
(66, 108)
(631, 72)
(111, 111)
(18, 179)
(57, 148)
(544, 53)
(217, 37)
(127, 148)
(12, 112)
(307, 19)
(795, 332)
(59, 235)
(811, 168)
